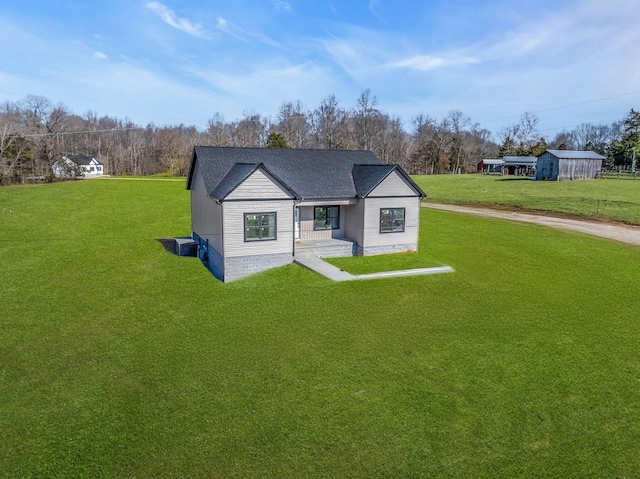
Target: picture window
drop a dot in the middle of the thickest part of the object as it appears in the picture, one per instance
(326, 218)
(259, 226)
(392, 220)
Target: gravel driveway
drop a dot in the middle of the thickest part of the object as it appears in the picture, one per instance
(623, 233)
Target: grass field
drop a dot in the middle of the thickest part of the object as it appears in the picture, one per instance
(609, 199)
(118, 359)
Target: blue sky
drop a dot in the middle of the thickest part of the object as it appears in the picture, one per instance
(178, 61)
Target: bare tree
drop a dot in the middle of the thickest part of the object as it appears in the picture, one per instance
(562, 141)
(394, 144)
(173, 146)
(293, 124)
(592, 137)
(367, 121)
(329, 124)
(251, 131)
(44, 125)
(520, 138)
(12, 146)
(432, 142)
(218, 132)
(458, 123)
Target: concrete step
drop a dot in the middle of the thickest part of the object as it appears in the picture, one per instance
(330, 248)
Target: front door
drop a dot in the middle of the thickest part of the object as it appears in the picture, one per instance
(297, 223)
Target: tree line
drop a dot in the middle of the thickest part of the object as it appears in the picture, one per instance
(35, 132)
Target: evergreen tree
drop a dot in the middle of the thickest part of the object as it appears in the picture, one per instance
(622, 151)
(277, 140)
(539, 148)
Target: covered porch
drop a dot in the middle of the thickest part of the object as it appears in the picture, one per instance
(325, 248)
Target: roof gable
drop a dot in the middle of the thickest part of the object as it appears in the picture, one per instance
(367, 179)
(83, 160)
(395, 185)
(249, 181)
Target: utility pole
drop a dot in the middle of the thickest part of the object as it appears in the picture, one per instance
(633, 161)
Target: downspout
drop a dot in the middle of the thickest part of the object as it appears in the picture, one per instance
(222, 232)
(295, 205)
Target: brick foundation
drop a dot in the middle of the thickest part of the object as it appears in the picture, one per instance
(241, 266)
(386, 249)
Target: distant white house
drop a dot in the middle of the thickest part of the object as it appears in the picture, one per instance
(74, 166)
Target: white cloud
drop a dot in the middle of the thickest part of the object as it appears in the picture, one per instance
(267, 85)
(221, 24)
(170, 18)
(280, 5)
(426, 62)
(147, 97)
(100, 55)
(225, 26)
(235, 31)
(359, 52)
(373, 8)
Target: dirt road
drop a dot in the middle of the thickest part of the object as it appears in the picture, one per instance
(622, 233)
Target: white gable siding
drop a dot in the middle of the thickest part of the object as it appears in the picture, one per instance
(234, 243)
(258, 186)
(371, 231)
(392, 185)
(93, 169)
(206, 214)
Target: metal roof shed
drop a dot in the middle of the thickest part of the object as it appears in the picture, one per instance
(559, 165)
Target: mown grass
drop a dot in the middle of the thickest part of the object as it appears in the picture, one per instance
(118, 359)
(609, 199)
(391, 262)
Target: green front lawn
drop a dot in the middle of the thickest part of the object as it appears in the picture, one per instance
(118, 359)
(608, 199)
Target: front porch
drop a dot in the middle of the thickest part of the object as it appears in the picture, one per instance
(326, 248)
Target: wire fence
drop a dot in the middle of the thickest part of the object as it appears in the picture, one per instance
(620, 175)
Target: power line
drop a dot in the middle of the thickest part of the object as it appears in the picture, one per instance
(568, 106)
(36, 135)
(572, 126)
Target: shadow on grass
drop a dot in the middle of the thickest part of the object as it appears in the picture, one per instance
(517, 178)
(180, 246)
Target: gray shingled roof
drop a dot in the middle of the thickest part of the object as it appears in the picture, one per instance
(236, 175)
(519, 160)
(576, 155)
(309, 174)
(367, 177)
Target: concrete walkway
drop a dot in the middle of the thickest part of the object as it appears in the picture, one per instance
(314, 263)
(623, 233)
(334, 273)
